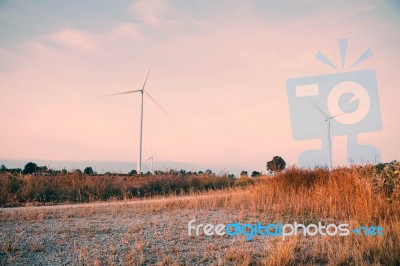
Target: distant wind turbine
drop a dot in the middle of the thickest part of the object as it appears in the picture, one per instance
(142, 91)
(151, 158)
(327, 119)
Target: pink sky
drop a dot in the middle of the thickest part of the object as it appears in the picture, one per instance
(221, 76)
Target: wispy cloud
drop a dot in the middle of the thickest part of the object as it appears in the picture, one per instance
(125, 30)
(162, 14)
(95, 43)
(75, 39)
(368, 5)
(149, 11)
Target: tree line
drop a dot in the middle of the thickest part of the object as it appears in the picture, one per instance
(277, 164)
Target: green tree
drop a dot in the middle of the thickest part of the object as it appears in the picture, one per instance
(77, 171)
(133, 172)
(3, 168)
(243, 173)
(182, 172)
(43, 169)
(277, 164)
(30, 168)
(88, 171)
(255, 174)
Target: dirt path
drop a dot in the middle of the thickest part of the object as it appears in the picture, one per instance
(120, 233)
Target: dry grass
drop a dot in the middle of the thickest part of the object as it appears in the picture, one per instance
(25, 190)
(305, 196)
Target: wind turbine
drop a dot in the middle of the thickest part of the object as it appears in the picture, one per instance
(151, 158)
(327, 119)
(142, 91)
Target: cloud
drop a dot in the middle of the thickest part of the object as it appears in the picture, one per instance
(95, 43)
(76, 40)
(126, 30)
(149, 11)
(368, 5)
(163, 15)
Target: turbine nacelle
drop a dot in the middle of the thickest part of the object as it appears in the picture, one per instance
(327, 119)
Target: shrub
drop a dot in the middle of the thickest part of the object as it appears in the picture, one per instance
(112, 192)
(277, 164)
(30, 168)
(255, 174)
(244, 181)
(386, 180)
(88, 171)
(76, 187)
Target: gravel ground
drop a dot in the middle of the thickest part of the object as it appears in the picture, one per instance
(119, 234)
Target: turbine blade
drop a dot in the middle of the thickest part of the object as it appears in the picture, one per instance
(147, 75)
(119, 93)
(319, 109)
(156, 103)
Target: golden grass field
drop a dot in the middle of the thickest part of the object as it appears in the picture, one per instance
(153, 231)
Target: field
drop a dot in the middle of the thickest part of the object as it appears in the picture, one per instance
(154, 230)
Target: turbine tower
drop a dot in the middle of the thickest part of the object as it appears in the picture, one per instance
(142, 91)
(151, 158)
(327, 119)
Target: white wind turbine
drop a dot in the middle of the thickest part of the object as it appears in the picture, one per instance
(142, 91)
(151, 158)
(327, 119)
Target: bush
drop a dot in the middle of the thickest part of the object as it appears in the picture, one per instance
(244, 181)
(386, 180)
(277, 164)
(30, 168)
(112, 192)
(255, 174)
(299, 178)
(75, 187)
(88, 171)
(14, 184)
